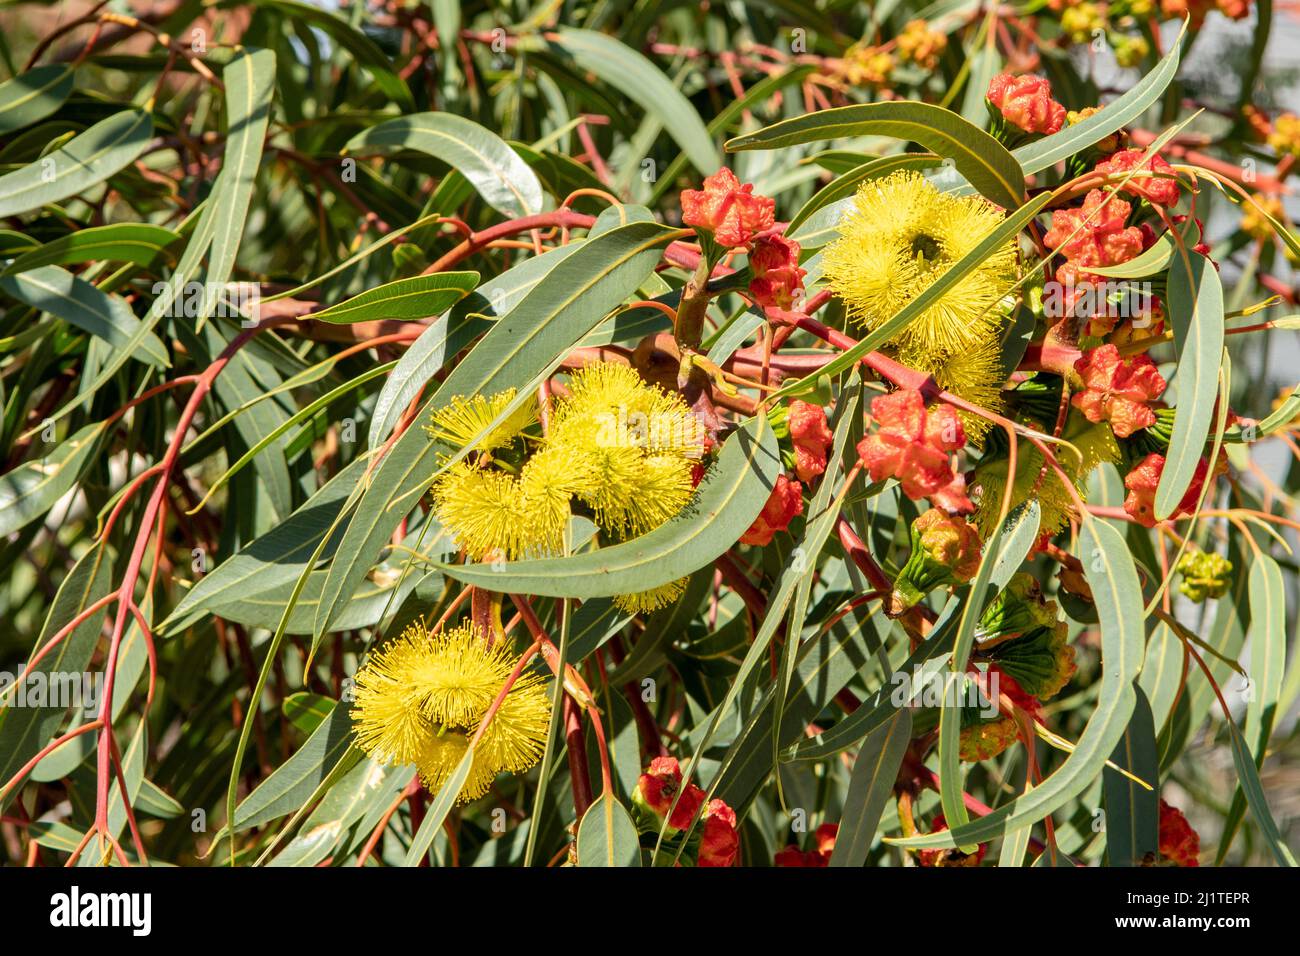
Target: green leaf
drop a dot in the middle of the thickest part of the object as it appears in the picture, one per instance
(306, 710)
(979, 157)
(1195, 302)
(30, 97)
(25, 730)
(135, 242)
(87, 160)
(496, 171)
(607, 836)
(30, 490)
(296, 779)
(445, 799)
(871, 784)
(1015, 845)
(278, 557)
(1021, 531)
(156, 802)
(1110, 574)
(418, 297)
(522, 347)
(361, 789)
(1248, 775)
(1132, 810)
(1268, 640)
(74, 300)
(729, 499)
(641, 81)
(250, 86)
(363, 49)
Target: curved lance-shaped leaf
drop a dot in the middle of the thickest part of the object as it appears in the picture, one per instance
(1110, 573)
(1196, 313)
(870, 785)
(136, 242)
(729, 500)
(32, 489)
(985, 162)
(250, 87)
(87, 160)
(640, 80)
(30, 97)
(496, 171)
(77, 302)
(25, 730)
(1132, 810)
(415, 298)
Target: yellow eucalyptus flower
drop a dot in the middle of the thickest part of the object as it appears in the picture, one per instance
(637, 445)
(652, 600)
(900, 236)
(467, 420)
(420, 699)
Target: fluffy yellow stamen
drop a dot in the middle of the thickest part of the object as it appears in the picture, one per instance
(421, 699)
(900, 236)
(466, 422)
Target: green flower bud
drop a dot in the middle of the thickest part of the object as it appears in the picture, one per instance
(1041, 662)
(1205, 574)
(945, 551)
(1131, 51)
(1018, 608)
(1079, 21)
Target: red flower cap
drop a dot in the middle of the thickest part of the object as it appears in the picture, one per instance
(792, 856)
(657, 788)
(728, 209)
(1143, 480)
(1179, 843)
(720, 844)
(1202, 247)
(952, 497)
(1093, 234)
(1117, 390)
(785, 501)
(1027, 102)
(911, 443)
(824, 839)
(777, 277)
(999, 681)
(811, 436)
(951, 856)
(1153, 188)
